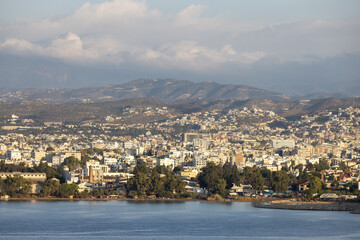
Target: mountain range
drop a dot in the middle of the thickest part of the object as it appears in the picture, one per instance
(167, 90)
(179, 96)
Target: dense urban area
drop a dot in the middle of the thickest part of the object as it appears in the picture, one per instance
(233, 154)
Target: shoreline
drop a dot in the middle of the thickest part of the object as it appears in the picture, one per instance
(243, 199)
(352, 207)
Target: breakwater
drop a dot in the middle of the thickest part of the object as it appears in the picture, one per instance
(353, 207)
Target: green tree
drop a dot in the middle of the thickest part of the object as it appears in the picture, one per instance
(41, 167)
(231, 175)
(322, 165)
(17, 186)
(51, 187)
(72, 163)
(279, 181)
(68, 189)
(343, 167)
(267, 175)
(315, 186)
(169, 186)
(84, 194)
(2, 183)
(50, 171)
(160, 181)
(138, 183)
(155, 183)
(161, 169)
(84, 158)
(173, 186)
(254, 177)
(54, 172)
(303, 176)
(179, 186)
(178, 168)
(334, 183)
(141, 167)
(293, 182)
(13, 167)
(97, 193)
(310, 167)
(209, 176)
(220, 188)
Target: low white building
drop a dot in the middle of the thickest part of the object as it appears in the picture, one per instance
(200, 162)
(280, 143)
(57, 159)
(130, 160)
(13, 154)
(96, 166)
(166, 162)
(70, 177)
(110, 161)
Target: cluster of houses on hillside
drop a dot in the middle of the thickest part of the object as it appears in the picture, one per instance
(242, 137)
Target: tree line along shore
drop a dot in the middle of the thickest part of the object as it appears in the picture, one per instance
(160, 182)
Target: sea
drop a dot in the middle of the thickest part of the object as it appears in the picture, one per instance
(168, 220)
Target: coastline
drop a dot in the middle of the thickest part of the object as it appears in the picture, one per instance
(243, 199)
(352, 207)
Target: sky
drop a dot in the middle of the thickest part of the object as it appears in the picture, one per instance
(294, 47)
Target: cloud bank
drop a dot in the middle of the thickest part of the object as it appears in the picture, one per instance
(122, 33)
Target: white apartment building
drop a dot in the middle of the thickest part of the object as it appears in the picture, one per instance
(166, 162)
(13, 154)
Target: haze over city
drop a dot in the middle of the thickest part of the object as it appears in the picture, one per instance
(291, 47)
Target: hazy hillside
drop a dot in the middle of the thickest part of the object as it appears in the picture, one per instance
(42, 111)
(167, 90)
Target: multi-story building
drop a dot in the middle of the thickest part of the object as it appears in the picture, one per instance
(13, 154)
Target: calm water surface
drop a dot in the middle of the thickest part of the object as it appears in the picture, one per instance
(168, 220)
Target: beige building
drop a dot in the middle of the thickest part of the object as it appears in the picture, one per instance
(73, 154)
(38, 155)
(322, 150)
(188, 174)
(239, 157)
(305, 152)
(96, 175)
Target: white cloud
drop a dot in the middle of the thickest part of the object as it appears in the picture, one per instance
(115, 9)
(189, 55)
(70, 46)
(17, 45)
(190, 15)
(228, 50)
(127, 30)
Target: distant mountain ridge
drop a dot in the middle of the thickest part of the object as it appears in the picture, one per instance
(167, 90)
